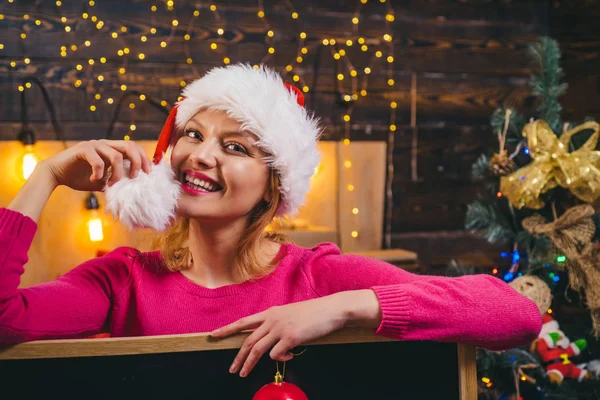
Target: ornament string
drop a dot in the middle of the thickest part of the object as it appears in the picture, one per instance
(282, 374)
(502, 135)
(517, 150)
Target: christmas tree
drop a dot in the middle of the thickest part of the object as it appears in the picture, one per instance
(541, 183)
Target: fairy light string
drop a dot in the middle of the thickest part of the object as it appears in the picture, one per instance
(103, 71)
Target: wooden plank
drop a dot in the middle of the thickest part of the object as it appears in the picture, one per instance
(445, 155)
(390, 255)
(467, 369)
(573, 20)
(441, 98)
(437, 248)
(442, 209)
(67, 348)
(432, 39)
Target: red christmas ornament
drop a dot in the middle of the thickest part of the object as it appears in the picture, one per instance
(280, 390)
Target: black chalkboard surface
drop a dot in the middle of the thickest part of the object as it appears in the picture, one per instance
(352, 371)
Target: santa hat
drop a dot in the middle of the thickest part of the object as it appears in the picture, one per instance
(264, 105)
(549, 324)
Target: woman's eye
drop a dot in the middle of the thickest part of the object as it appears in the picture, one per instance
(193, 134)
(236, 147)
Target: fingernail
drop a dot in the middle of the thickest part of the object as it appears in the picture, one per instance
(232, 368)
(215, 333)
(243, 374)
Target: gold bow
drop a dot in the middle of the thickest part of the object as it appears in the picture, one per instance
(571, 235)
(553, 165)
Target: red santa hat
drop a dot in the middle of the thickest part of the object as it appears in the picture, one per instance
(549, 324)
(264, 105)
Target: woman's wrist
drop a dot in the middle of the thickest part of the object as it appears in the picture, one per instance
(33, 196)
(43, 174)
(359, 308)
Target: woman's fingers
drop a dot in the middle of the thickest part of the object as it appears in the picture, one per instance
(146, 162)
(257, 351)
(91, 156)
(114, 158)
(247, 348)
(130, 151)
(281, 351)
(241, 324)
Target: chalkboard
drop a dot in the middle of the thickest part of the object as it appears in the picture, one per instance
(364, 370)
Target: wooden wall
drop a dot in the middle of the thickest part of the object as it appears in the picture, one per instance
(454, 63)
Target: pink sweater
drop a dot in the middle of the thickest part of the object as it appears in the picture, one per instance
(130, 293)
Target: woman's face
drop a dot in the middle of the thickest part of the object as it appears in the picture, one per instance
(222, 172)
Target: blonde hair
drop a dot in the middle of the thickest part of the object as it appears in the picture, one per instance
(177, 256)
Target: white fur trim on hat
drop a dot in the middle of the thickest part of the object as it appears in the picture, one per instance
(557, 372)
(258, 99)
(550, 326)
(148, 200)
(549, 342)
(576, 350)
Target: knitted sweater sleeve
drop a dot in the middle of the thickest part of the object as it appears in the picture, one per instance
(476, 309)
(73, 306)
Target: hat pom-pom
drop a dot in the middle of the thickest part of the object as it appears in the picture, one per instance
(146, 201)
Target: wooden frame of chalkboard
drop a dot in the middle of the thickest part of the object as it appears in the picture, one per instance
(348, 364)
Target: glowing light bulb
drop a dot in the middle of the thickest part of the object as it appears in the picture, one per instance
(95, 230)
(29, 161)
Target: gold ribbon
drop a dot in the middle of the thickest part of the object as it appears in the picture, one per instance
(571, 235)
(553, 165)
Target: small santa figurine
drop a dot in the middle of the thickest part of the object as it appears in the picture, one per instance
(555, 350)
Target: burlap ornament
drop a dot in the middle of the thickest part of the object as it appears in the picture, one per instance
(571, 234)
(535, 289)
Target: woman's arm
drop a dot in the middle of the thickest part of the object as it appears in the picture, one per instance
(73, 306)
(78, 303)
(33, 196)
(358, 291)
(475, 309)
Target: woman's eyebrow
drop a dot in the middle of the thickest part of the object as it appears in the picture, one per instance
(244, 134)
(197, 122)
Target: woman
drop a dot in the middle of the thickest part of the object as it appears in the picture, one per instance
(242, 152)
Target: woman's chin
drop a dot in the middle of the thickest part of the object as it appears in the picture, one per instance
(201, 213)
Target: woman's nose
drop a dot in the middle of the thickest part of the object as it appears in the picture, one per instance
(205, 155)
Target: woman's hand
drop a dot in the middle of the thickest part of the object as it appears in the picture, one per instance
(85, 165)
(282, 328)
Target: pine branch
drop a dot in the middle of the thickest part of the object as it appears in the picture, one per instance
(480, 169)
(529, 241)
(546, 84)
(484, 218)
